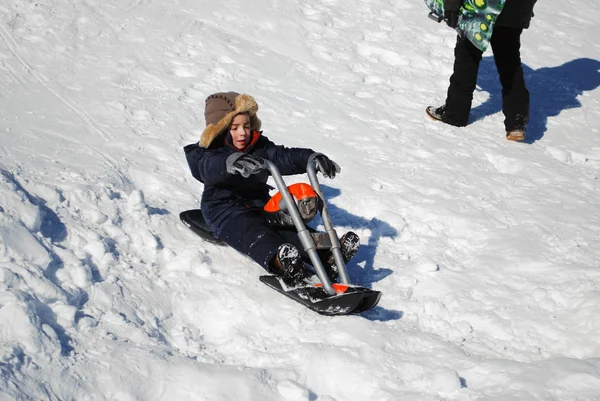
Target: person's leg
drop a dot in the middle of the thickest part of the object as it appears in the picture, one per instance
(290, 235)
(251, 235)
(506, 44)
(349, 244)
(462, 83)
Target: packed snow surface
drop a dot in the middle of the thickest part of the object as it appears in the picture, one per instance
(486, 251)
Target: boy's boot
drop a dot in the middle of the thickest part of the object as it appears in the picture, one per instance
(349, 244)
(288, 264)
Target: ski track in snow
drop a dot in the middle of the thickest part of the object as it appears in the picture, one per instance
(485, 251)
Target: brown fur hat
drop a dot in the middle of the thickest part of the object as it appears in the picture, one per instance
(219, 111)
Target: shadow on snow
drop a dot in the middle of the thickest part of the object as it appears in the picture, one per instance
(552, 90)
(366, 253)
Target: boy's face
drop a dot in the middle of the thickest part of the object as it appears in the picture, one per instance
(240, 131)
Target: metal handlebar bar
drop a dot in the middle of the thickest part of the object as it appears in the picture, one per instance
(303, 233)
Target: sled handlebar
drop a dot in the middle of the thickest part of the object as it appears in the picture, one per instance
(303, 233)
(335, 242)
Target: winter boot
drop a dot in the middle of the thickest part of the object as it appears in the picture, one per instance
(349, 244)
(517, 135)
(436, 113)
(441, 114)
(288, 264)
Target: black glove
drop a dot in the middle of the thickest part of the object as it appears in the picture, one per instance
(328, 167)
(244, 164)
(451, 18)
(451, 10)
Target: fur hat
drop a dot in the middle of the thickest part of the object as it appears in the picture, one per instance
(220, 110)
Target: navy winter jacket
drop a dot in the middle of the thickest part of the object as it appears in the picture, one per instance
(228, 196)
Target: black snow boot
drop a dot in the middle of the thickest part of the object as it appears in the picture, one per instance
(288, 264)
(349, 244)
(436, 113)
(446, 116)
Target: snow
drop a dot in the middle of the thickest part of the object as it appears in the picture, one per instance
(486, 251)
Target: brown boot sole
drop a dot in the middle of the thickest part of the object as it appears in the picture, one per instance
(516, 136)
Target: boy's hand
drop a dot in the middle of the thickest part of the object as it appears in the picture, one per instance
(244, 164)
(326, 166)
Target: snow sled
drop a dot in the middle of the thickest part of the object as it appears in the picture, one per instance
(194, 220)
(300, 202)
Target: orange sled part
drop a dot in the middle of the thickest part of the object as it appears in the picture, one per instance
(299, 191)
(339, 288)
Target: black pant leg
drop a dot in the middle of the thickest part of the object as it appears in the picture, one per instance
(462, 83)
(251, 235)
(506, 44)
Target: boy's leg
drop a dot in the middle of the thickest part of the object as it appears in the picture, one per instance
(290, 235)
(349, 243)
(506, 44)
(462, 83)
(251, 235)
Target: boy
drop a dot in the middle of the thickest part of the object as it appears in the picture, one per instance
(229, 160)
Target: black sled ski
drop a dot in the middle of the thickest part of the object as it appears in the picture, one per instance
(315, 298)
(194, 220)
(370, 299)
(325, 297)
